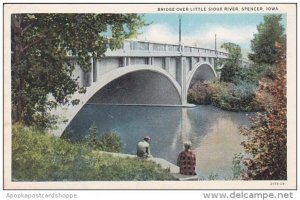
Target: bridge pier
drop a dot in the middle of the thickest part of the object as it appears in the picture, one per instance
(123, 62)
(213, 62)
(181, 78)
(127, 61)
(167, 64)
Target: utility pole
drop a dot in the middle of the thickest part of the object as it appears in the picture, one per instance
(215, 43)
(216, 52)
(179, 17)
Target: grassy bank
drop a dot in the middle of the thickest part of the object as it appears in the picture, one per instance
(37, 156)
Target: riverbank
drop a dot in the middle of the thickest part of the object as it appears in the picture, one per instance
(162, 162)
(188, 105)
(37, 156)
(170, 167)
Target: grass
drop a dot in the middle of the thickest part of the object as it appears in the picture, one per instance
(37, 156)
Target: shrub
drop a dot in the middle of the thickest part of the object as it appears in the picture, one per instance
(225, 95)
(200, 93)
(231, 97)
(237, 166)
(222, 95)
(109, 141)
(245, 91)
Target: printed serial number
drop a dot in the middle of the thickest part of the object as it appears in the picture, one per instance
(277, 183)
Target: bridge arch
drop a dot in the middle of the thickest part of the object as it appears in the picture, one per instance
(70, 112)
(201, 71)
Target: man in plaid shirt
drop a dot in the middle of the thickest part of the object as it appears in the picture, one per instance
(187, 160)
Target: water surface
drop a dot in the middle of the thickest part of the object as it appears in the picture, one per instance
(213, 132)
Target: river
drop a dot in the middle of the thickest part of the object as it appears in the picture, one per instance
(214, 133)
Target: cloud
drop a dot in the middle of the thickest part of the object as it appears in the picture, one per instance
(202, 36)
(159, 33)
(206, 36)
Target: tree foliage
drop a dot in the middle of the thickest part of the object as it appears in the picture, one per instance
(263, 44)
(236, 89)
(267, 137)
(231, 65)
(40, 65)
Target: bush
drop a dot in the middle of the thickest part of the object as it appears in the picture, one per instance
(200, 93)
(222, 96)
(225, 95)
(237, 166)
(245, 91)
(37, 156)
(109, 141)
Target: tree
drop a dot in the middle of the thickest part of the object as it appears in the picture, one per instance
(40, 66)
(263, 44)
(267, 136)
(232, 63)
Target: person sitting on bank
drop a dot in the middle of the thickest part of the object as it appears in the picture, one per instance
(143, 148)
(187, 160)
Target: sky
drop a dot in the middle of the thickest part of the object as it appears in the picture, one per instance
(200, 29)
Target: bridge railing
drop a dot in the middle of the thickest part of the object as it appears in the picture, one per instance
(153, 46)
(133, 45)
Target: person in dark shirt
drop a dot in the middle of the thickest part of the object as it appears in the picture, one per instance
(187, 160)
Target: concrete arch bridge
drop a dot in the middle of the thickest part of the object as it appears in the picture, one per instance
(142, 73)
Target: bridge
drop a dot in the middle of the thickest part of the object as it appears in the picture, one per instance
(142, 73)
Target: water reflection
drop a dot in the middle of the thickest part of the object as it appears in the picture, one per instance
(217, 148)
(184, 131)
(214, 133)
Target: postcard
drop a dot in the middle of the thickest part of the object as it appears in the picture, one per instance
(150, 96)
